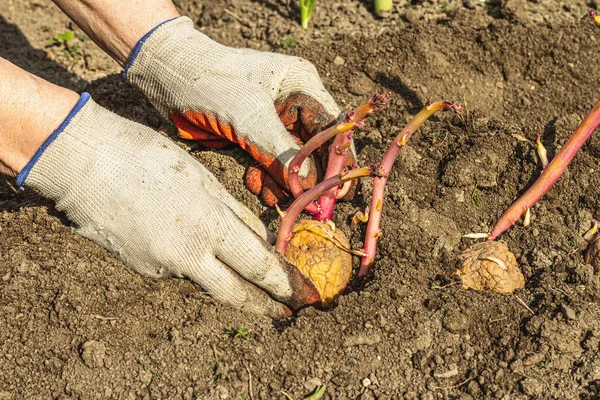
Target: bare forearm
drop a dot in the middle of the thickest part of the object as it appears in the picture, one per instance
(117, 25)
(31, 110)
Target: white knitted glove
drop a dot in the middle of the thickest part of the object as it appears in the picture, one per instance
(139, 195)
(217, 95)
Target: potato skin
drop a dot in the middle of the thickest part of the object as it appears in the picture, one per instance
(318, 252)
(480, 269)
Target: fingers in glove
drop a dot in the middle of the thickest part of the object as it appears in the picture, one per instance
(242, 212)
(254, 179)
(302, 111)
(258, 182)
(267, 141)
(191, 132)
(259, 263)
(225, 285)
(304, 79)
(306, 117)
(272, 193)
(270, 144)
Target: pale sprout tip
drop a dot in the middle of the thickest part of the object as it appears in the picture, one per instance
(541, 151)
(527, 219)
(476, 235)
(496, 260)
(361, 216)
(279, 211)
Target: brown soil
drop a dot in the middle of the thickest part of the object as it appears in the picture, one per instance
(77, 323)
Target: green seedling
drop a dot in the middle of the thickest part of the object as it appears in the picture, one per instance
(289, 42)
(435, 286)
(64, 40)
(306, 9)
(432, 136)
(240, 332)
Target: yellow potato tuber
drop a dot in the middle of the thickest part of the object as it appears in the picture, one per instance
(490, 266)
(321, 252)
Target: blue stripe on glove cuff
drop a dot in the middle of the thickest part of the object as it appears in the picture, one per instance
(25, 171)
(139, 45)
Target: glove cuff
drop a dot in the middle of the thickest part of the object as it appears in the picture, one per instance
(167, 60)
(140, 44)
(24, 174)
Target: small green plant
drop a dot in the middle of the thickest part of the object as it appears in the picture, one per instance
(306, 9)
(432, 136)
(383, 5)
(436, 286)
(289, 41)
(64, 40)
(445, 9)
(239, 331)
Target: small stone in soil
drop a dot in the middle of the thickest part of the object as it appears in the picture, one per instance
(93, 353)
(568, 312)
(455, 321)
(531, 387)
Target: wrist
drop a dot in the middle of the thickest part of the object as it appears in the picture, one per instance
(116, 26)
(143, 29)
(69, 111)
(31, 110)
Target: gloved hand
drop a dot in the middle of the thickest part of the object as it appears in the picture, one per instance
(139, 195)
(217, 95)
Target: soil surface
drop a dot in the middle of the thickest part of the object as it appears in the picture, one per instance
(75, 323)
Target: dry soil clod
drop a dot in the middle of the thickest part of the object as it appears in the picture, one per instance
(490, 266)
